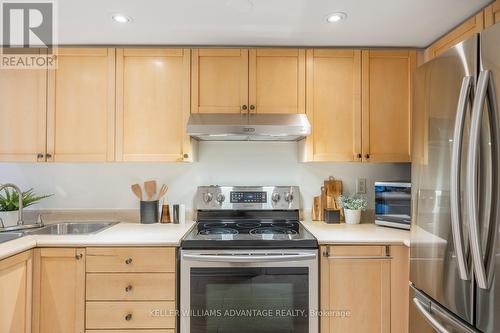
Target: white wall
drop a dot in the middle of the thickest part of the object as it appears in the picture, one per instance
(107, 185)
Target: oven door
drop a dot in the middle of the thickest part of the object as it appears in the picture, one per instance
(249, 291)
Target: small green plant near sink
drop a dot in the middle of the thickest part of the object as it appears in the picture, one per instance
(352, 205)
(9, 201)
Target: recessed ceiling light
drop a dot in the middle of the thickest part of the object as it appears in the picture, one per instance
(120, 18)
(335, 17)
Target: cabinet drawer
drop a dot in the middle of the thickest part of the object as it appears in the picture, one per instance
(130, 315)
(357, 251)
(130, 331)
(130, 286)
(144, 259)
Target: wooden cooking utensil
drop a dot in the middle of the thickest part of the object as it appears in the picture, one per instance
(333, 190)
(136, 189)
(316, 209)
(150, 188)
(163, 191)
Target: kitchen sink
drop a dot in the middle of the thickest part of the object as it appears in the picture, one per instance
(7, 236)
(73, 228)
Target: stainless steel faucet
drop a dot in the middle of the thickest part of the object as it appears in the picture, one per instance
(20, 204)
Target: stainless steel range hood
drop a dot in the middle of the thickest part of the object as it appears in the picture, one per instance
(243, 127)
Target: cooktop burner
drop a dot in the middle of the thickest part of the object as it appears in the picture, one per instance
(218, 231)
(273, 231)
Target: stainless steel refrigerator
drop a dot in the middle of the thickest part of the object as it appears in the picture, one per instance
(455, 253)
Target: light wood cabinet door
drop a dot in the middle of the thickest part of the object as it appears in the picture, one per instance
(355, 289)
(277, 80)
(333, 105)
(16, 293)
(23, 115)
(81, 106)
(492, 14)
(219, 80)
(386, 105)
(467, 29)
(59, 290)
(152, 103)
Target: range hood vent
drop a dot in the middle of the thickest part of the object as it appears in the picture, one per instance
(243, 127)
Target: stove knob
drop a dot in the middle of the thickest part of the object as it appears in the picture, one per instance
(220, 198)
(207, 197)
(275, 197)
(288, 197)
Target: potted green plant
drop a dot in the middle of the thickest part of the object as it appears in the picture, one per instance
(9, 204)
(352, 205)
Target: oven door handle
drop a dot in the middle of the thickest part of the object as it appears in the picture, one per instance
(249, 257)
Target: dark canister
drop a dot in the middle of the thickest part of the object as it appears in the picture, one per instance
(149, 212)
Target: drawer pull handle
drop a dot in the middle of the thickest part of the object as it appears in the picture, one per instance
(79, 256)
(128, 261)
(128, 288)
(128, 317)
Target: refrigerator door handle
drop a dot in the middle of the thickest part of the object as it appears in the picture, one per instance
(485, 90)
(428, 316)
(455, 186)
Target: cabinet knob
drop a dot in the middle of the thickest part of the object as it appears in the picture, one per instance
(128, 288)
(359, 155)
(185, 155)
(367, 156)
(48, 156)
(128, 261)
(40, 155)
(252, 107)
(128, 317)
(244, 107)
(79, 256)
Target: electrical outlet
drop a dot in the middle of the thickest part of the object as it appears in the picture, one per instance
(361, 185)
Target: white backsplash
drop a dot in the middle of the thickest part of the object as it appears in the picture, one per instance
(107, 185)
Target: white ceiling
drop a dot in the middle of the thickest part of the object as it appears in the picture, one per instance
(261, 22)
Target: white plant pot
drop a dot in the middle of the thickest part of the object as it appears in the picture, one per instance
(9, 218)
(352, 216)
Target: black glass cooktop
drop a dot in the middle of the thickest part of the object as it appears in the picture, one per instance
(258, 233)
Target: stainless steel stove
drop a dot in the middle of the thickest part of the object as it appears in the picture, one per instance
(248, 265)
(248, 217)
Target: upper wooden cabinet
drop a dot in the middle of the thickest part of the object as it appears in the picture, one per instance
(467, 29)
(333, 105)
(58, 290)
(492, 14)
(152, 104)
(81, 106)
(219, 80)
(359, 105)
(248, 80)
(22, 115)
(16, 293)
(387, 91)
(277, 80)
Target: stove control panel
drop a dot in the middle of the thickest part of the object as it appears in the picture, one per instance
(248, 198)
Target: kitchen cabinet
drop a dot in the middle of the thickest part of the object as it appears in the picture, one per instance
(277, 80)
(219, 80)
(22, 115)
(81, 106)
(59, 290)
(130, 289)
(492, 14)
(262, 80)
(386, 105)
(16, 293)
(364, 288)
(333, 105)
(465, 30)
(152, 104)
(359, 105)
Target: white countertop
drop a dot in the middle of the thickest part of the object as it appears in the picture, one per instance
(366, 233)
(121, 234)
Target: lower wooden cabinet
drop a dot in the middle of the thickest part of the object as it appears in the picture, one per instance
(364, 289)
(16, 293)
(58, 290)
